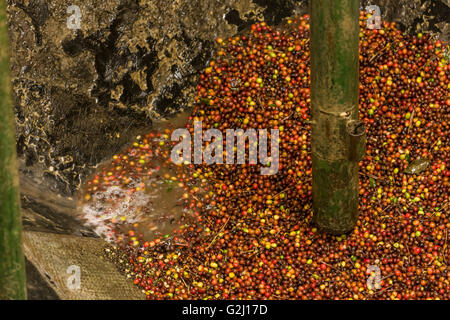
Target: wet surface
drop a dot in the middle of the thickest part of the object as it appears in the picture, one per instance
(427, 16)
(156, 210)
(80, 97)
(140, 192)
(47, 212)
(154, 201)
(37, 286)
(131, 62)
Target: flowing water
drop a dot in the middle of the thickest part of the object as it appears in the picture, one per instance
(138, 192)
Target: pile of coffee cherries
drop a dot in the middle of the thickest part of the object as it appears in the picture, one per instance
(243, 235)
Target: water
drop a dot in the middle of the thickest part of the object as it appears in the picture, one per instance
(138, 195)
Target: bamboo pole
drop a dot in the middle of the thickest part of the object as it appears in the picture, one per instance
(12, 264)
(338, 137)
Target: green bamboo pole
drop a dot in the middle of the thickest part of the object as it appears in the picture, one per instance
(338, 137)
(12, 264)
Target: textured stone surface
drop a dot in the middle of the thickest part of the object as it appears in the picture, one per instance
(52, 255)
(430, 16)
(80, 95)
(37, 286)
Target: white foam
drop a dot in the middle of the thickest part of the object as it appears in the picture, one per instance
(115, 203)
